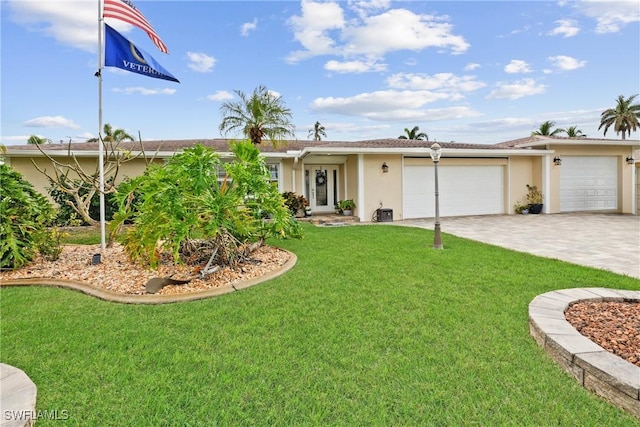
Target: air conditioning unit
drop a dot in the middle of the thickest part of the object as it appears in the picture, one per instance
(384, 215)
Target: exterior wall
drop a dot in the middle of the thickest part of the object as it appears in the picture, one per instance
(40, 182)
(520, 174)
(286, 177)
(349, 189)
(382, 189)
(626, 180)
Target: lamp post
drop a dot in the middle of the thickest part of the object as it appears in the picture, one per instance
(436, 151)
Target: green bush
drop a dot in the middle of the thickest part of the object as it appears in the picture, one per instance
(295, 203)
(182, 200)
(24, 216)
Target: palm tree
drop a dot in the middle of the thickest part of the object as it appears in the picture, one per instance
(36, 140)
(413, 134)
(260, 115)
(318, 132)
(111, 135)
(624, 117)
(574, 132)
(545, 129)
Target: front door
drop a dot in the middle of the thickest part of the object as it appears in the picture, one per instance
(321, 188)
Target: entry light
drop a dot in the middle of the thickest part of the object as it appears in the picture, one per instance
(385, 168)
(557, 161)
(630, 160)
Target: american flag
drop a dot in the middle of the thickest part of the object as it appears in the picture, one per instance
(124, 10)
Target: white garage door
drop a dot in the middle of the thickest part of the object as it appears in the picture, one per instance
(588, 183)
(464, 190)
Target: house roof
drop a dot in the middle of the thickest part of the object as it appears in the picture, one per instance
(294, 148)
(544, 140)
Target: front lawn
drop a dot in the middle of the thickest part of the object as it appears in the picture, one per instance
(372, 327)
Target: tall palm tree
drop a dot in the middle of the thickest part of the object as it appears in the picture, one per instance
(36, 140)
(545, 129)
(414, 134)
(574, 132)
(111, 135)
(260, 115)
(318, 132)
(624, 117)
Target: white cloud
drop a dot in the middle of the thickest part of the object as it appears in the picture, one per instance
(51, 122)
(566, 27)
(566, 63)
(391, 105)
(517, 66)
(247, 27)
(440, 81)
(322, 29)
(354, 66)
(201, 62)
(516, 90)
(69, 23)
(221, 95)
(312, 26)
(365, 7)
(401, 29)
(610, 16)
(472, 66)
(144, 91)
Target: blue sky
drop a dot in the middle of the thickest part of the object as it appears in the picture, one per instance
(465, 71)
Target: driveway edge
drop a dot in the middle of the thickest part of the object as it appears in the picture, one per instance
(596, 369)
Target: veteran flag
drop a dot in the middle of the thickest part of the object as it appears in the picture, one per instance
(121, 53)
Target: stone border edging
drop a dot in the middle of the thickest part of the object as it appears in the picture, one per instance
(17, 397)
(111, 296)
(596, 369)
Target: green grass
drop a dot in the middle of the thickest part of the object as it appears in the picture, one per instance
(372, 327)
(81, 236)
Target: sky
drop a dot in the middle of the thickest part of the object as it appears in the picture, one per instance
(465, 71)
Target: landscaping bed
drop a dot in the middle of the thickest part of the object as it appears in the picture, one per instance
(117, 273)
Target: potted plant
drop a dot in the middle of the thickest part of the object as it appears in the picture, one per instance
(346, 207)
(534, 198)
(519, 208)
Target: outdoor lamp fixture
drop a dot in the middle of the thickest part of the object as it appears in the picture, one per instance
(385, 168)
(557, 161)
(436, 152)
(630, 160)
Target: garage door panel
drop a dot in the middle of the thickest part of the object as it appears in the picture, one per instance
(464, 190)
(588, 183)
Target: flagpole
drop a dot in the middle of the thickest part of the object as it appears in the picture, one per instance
(100, 141)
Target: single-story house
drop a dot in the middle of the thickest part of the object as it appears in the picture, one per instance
(574, 174)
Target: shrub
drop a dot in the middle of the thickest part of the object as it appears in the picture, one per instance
(183, 201)
(295, 203)
(25, 216)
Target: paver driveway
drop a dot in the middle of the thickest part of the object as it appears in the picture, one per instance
(607, 241)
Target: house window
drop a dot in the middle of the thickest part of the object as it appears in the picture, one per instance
(273, 171)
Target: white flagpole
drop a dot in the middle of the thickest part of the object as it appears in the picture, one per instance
(100, 141)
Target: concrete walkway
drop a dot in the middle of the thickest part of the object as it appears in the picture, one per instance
(605, 241)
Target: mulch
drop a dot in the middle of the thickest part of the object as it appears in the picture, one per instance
(614, 326)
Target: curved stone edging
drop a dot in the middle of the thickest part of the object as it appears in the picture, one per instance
(153, 299)
(596, 369)
(17, 397)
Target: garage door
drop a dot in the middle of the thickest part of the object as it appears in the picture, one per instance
(464, 190)
(588, 183)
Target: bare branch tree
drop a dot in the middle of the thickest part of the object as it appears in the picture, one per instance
(71, 178)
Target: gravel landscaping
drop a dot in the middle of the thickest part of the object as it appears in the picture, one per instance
(614, 326)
